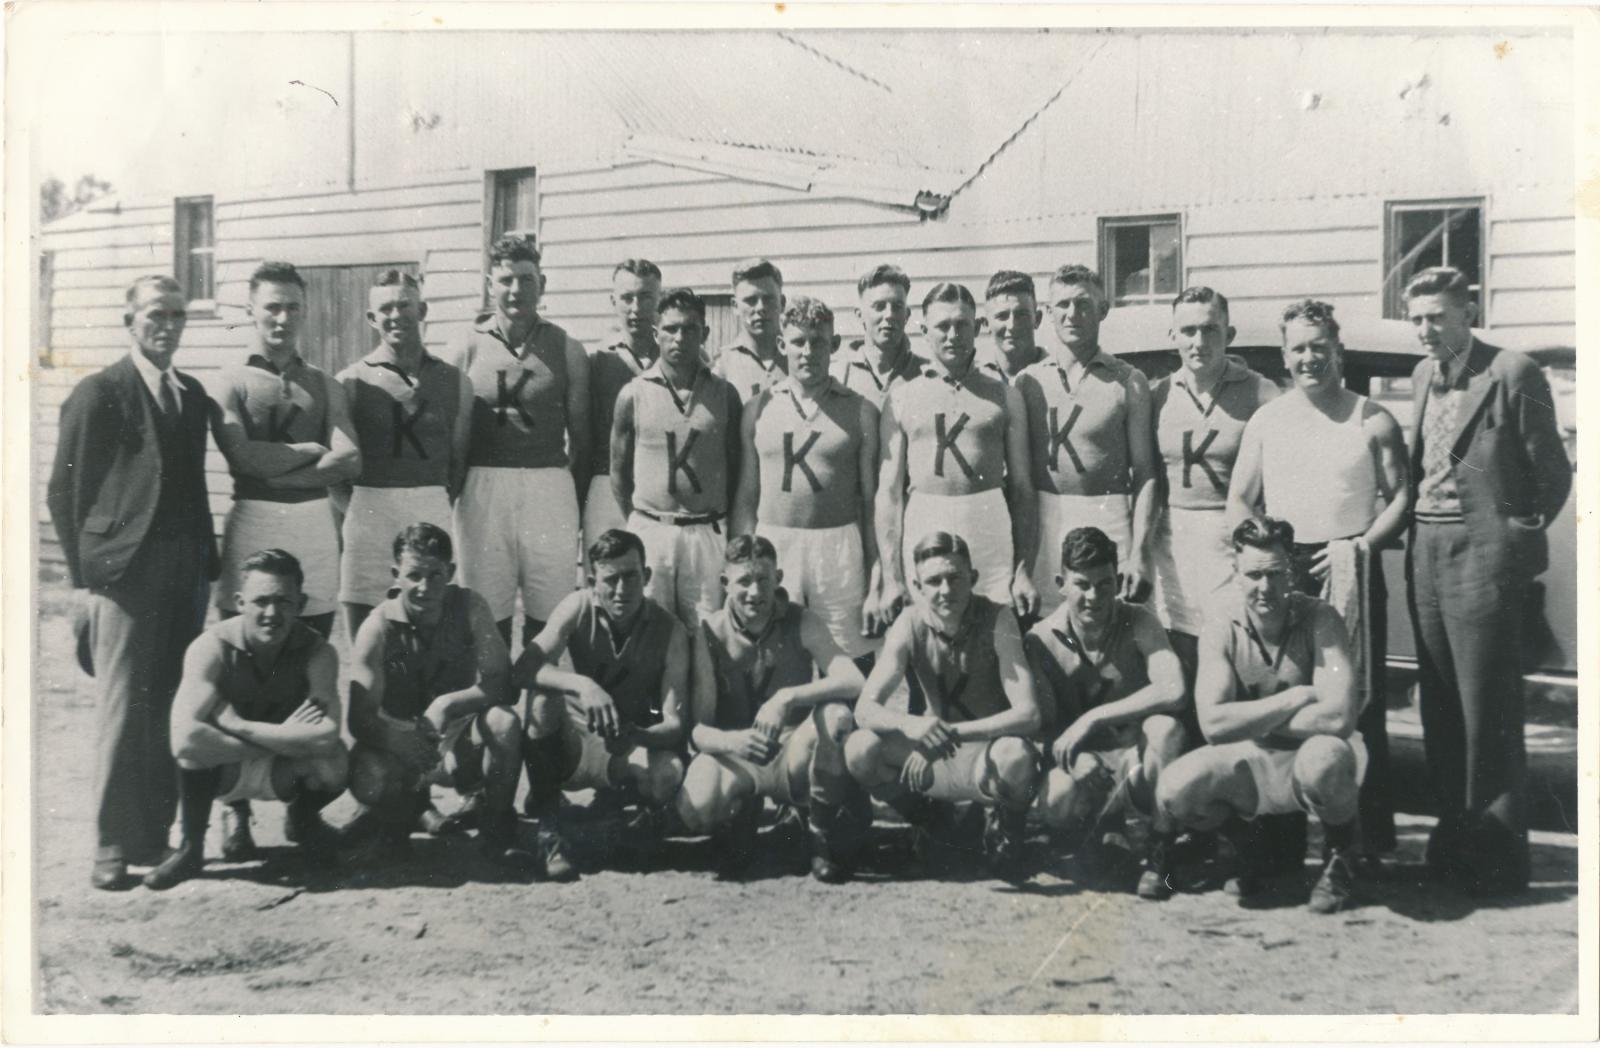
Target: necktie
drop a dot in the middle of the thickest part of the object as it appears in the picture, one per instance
(169, 399)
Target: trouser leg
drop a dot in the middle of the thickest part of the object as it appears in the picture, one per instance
(1376, 818)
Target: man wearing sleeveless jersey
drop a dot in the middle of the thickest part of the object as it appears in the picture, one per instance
(412, 414)
(808, 477)
(771, 712)
(257, 717)
(675, 461)
(1333, 464)
(1112, 691)
(617, 716)
(970, 742)
(1089, 436)
(1276, 699)
(754, 360)
(635, 293)
(955, 455)
(1200, 411)
(1013, 315)
(886, 356)
(429, 703)
(285, 431)
(517, 518)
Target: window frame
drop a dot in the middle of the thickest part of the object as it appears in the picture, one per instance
(1393, 287)
(494, 181)
(184, 250)
(44, 307)
(1107, 257)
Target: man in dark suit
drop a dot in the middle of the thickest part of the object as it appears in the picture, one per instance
(128, 499)
(1488, 474)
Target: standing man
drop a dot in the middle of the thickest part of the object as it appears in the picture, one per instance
(1014, 315)
(286, 433)
(412, 414)
(807, 481)
(886, 356)
(635, 293)
(127, 496)
(1489, 474)
(955, 455)
(675, 460)
(517, 517)
(1089, 437)
(754, 360)
(1333, 464)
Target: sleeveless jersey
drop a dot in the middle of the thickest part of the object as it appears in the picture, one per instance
(268, 699)
(288, 407)
(750, 669)
(1197, 436)
(403, 425)
(741, 364)
(519, 406)
(1258, 674)
(632, 674)
(1078, 427)
(810, 465)
(959, 675)
(417, 671)
(1076, 681)
(852, 368)
(680, 446)
(1317, 474)
(992, 363)
(955, 432)
(609, 370)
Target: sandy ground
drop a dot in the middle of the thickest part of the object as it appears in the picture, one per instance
(444, 933)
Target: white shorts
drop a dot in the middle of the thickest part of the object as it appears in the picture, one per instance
(1059, 514)
(304, 529)
(786, 777)
(685, 563)
(823, 570)
(600, 512)
(1193, 559)
(1273, 772)
(517, 531)
(1095, 794)
(375, 516)
(983, 520)
(254, 783)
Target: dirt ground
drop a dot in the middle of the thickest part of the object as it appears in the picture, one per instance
(443, 933)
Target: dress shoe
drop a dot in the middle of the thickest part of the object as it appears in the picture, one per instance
(110, 875)
(185, 861)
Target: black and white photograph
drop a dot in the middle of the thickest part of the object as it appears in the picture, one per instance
(797, 515)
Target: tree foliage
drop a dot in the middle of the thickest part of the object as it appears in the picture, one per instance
(56, 202)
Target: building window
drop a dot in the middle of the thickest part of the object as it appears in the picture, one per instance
(513, 203)
(1141, 259)
(194, 249)
(1432, 233)
(722, 324)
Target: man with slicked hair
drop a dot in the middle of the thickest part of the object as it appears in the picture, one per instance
(754, 360)
(635, 294)
(886, 355)
(1012, 315)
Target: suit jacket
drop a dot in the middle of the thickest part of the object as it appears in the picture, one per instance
(1514, 475)
(107, 476)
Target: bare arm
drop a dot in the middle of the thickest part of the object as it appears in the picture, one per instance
(1022, 718)
(747, 498)
(1389, 458)
(494, 672)
(310, 731)
(578, 407)
(1244, 490)
(1143, 472)
(1164, 694)
(1022, 502)
(731, 442)
(667, 733)
(259, 459)
(341, 462)
(1336, 701)
(461, 437)
(622, 452)
(194, 737)
(868, 471)
(891, 507)
(872, 709)
(1222, 718)
(706, 736)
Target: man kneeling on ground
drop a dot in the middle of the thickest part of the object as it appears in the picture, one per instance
(429, 703)
(616, 717)
(257, 717)
(1113, 687)
(1276, 697)
(971, 744)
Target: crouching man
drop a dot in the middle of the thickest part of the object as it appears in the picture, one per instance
(257, 718)
(1276, 698)
(615, 718)
(771, 712)
(429, 703)
(970, 743)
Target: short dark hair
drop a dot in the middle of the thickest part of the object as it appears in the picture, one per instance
(940, 544)
(947, 291)
(808, 313)
(615, 544)
(642, 268)
(684, 300)
(1010, 282)
(513, 247)
(160, 281)
(1203, 295)
(1087, 547)
(1265, 533)
(1447, 281)
(276, 273)
(752, 269)
(883, 273)
(424, 540)
(277, 562)
(1073, 273)
(1312, 312)
(742, 549)
(392, 277)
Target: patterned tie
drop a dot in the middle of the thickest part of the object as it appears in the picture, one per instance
(1438, 429)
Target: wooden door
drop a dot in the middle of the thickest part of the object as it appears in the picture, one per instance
(336, 329)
